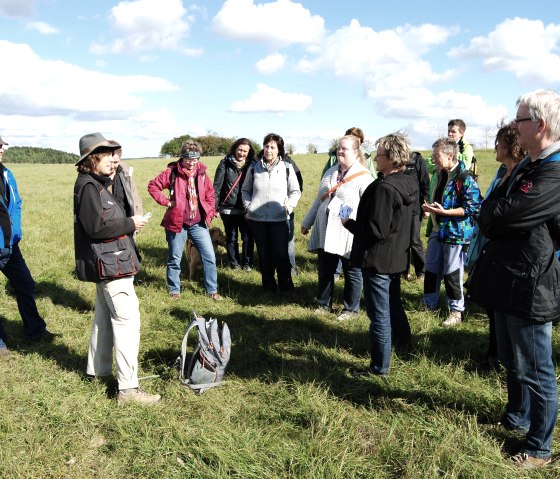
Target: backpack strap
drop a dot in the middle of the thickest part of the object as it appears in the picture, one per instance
(172, 179)
(195, 323)
(340, 183)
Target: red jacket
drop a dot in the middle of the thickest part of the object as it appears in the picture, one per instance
(173, 218)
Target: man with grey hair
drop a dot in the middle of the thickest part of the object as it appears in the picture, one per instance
(455, 200)
(517, 275)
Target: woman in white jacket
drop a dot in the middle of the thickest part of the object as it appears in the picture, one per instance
(341, 186)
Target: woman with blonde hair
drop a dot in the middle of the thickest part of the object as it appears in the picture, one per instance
(342, 185)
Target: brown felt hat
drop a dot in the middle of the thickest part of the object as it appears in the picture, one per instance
(91, 142)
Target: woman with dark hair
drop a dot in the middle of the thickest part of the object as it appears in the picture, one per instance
(381, 240)
(228, 180)
(270, 193)
(106, 255)
(509, 153)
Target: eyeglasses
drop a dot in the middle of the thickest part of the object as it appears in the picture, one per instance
(519, 120)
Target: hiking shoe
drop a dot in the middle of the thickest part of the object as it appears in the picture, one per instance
(346, 316)
(175, 296)
(43, 337)
(137, 395)
(453, 319)
(524, 461)
(215, 296)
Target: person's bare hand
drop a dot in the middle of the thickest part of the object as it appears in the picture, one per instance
(139, 222)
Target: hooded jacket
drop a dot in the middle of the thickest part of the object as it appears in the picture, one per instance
(173, 218)
(383, 224)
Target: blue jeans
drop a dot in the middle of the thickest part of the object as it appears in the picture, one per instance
(236, 227)
(200, 236)
(272, 240)
(327, 264)
(382, 297)
(20, 278)
(525, 349)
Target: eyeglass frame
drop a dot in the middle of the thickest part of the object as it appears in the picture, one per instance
(528, 118)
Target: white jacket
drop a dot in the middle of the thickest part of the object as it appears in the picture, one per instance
(328, 232)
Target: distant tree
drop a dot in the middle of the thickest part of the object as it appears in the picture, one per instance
(312, 148)
(31, 154)
(290, 148)
(333, 145)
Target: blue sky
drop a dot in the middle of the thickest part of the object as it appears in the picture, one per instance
(145, 71)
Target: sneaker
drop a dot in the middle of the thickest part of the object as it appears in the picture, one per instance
(346, 316)
(322, 310)
(453, 319)
(215, 296)
(175, 296)
(137, 395)
(234, 266)
(247, 268)
(524, 461)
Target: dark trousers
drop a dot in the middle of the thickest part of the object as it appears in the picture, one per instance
(272, 240)
(416, 251)
(20, 278)
(327, 264)
(237, 228)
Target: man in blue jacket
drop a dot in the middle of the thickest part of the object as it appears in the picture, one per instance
(12, 263)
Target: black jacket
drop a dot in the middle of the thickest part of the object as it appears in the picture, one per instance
(383, 224)
(97, 217)
(417, 169)
(226, 176)
(517, 271)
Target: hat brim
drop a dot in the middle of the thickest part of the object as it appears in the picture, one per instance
(104, 144)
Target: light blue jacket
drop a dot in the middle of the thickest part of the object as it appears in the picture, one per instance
(12, 202)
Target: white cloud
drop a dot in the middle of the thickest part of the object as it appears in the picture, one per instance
(42, 27)
(17, 8)
(271, 100)
(526, 48)
(43, 87)
(146, 25)
(356, 52)
(282, 22)
(271, 64)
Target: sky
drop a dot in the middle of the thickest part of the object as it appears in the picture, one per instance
(145, 71)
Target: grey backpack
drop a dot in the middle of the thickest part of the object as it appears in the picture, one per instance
(205, 367)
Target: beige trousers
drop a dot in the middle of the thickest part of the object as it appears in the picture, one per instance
(116, 325)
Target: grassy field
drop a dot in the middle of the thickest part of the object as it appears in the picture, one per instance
(289, 407)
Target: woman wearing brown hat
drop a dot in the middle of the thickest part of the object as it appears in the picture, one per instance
(106, 255)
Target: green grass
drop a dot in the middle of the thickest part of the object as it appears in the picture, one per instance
(289, 407)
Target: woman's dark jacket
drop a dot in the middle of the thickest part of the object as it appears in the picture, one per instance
(97, 217)
(517, 271)
(383, 224)
(227, 174)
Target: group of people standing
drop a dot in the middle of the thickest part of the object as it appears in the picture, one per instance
(363, 220)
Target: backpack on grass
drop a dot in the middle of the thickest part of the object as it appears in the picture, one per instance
(205, 367)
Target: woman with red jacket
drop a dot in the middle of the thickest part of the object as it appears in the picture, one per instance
(190, 209)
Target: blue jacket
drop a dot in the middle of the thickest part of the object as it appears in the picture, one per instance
(11, 201)
(456, 194)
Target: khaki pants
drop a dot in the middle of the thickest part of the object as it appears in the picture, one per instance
(116, 325)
